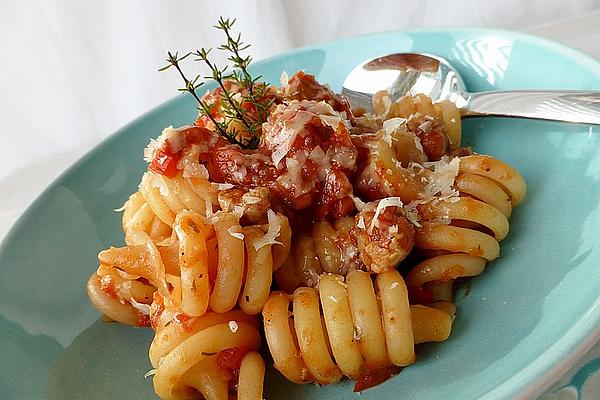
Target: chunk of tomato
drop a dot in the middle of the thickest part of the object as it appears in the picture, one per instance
(165, 164)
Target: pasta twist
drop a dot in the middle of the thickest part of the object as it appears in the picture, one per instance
(167, 197)
(203, 266)
(140, 222)
(199, 358)
(247, 255)
(362, 328)
(475, 224)
(328, 248)
(123, 285)
(409, 106)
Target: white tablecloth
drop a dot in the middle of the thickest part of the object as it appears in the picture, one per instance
(74, 71)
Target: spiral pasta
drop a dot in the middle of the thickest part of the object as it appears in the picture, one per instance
(213, 264)
(200, 356)
(366, 195)
(476, 222)
(249, 252)
(167, 197)
(123, 285)
(355, 334)
(420, 104)
(140, 222)
(327, 248)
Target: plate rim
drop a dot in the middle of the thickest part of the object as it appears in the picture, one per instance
(547, 368)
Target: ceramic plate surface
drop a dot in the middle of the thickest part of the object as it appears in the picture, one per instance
(532, 312)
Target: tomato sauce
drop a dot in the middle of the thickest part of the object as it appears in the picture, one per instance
(232, 358)
(375, 377)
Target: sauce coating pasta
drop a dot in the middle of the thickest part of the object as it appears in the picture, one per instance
(345, 232)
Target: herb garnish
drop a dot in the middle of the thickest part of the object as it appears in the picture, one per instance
(234, 105)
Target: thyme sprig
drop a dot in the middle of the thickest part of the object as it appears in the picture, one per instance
(233, 104)
(204, 108)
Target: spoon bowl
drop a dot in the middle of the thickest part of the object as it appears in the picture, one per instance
(413, 73)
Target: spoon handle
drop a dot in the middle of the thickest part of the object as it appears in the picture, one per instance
(554, 105)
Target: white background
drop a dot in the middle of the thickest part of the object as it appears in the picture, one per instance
(74, 71)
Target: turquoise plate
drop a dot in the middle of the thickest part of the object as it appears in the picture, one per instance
(527, 318)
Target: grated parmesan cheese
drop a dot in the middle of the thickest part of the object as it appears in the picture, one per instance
(152, 372)
(292, 118)
(193, 170)
(233, 326)
(249, 199)
(440, 180)
(141, 307)
(358, 203)
(232, 232)
(318, 156)
(122, 208)
(410, 210)
(331, 120)
(240, 173)
(284, 79)
(222, 186)
(361, 223)
(389, 127)
(176, 142)
(381, 206)
(283, 141)
(272, 232)
(238, 211)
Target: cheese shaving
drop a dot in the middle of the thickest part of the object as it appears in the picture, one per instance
(251, 199)
(122, 208)
(330, 120)
(152, 372)
(358, 203)
(233, 326)
(441, 179)
(381, 206)
(292, 118)
(318, 156)
(150, 150)
(410, 210)
(222, 186)
(232, 232)
(193, 170)
(141, 307)
(272, 232)
(176, 143)
(284, 79)
(361, 223)
(427, 123)
(125, 275)
(389, 127)
(238, 211)
(284, 140)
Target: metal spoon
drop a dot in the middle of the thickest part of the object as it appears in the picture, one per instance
(411, 73)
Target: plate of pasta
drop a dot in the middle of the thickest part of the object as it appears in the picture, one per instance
(270, 241)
